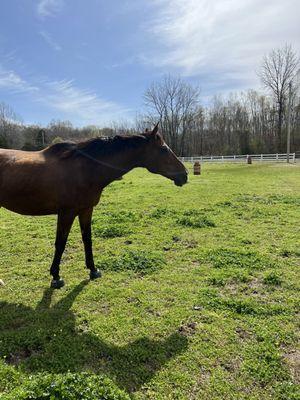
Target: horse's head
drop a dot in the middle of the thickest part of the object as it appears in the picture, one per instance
(160, 159)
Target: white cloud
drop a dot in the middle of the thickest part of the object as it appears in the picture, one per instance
(14, 83)
(63, 99)
(80, 103)
(223, 39)
(49, 8)
(50, 41)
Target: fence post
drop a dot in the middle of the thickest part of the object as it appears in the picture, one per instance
(261, 157)
(222, 158)
(276, 157)
(197, 168)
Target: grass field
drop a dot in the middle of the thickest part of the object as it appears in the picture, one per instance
(199, 297)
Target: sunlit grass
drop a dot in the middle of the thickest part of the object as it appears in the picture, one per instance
(199, 297)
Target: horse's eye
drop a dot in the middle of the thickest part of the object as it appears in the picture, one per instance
(164, 149)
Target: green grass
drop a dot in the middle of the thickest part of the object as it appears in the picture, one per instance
(199, 297)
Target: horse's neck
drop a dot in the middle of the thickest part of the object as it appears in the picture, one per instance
(119, 164)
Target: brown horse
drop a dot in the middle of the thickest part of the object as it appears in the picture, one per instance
(67, 179)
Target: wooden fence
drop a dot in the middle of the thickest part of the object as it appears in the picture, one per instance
(278, 157)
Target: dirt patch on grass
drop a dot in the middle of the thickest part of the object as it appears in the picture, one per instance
(19, 356)
(242, 333)
(256, 286)
(292, 358)
(188, 329)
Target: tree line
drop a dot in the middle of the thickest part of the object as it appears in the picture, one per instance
(240, 123)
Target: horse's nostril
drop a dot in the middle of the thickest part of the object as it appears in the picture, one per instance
(180, 179)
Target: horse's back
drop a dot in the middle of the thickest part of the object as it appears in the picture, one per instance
(27, 182)
(10, 156)
(43, 182)
(18, 162)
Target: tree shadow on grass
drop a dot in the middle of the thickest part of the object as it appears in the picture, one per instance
(47, 339)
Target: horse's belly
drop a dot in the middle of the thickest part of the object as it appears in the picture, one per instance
(39, 189)
(32, 212)
(27, 201)
(28, 206)
(44, 202)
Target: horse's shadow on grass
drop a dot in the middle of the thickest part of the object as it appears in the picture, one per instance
(47, 339)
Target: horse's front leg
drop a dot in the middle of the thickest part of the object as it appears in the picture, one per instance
(65, 220)
(85, 220)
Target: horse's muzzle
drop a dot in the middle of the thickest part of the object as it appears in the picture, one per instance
(181, 179)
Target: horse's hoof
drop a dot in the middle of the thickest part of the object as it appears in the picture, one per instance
(57, 283)
(95, 274)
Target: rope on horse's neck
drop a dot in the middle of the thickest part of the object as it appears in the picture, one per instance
(108, 165)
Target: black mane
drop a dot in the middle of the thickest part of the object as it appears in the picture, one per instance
(95, 147)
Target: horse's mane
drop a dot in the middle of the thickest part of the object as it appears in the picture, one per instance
(95, 147)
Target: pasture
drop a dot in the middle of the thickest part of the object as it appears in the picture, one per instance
(199, 297)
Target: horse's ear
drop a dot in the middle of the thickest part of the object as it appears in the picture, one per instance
(152, 134)
(155, 129)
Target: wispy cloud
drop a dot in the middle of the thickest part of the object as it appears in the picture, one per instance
(49, 8)
(50, 41)
(14, 83)
(221, 39)
(63, 99)
(86, 105)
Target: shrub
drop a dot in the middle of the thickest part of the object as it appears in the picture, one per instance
(68, 386)
(263, 362)
(162, 212)
(239, 305)
(289, 253)
(111, 231)
(143, 262)
(235, 276)
(120, 216)
(217, 281)
(236, 258)
(195, 221)
(272, 279)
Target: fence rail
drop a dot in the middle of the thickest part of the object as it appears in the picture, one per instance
(278, 157)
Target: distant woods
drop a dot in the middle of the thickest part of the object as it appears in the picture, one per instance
(14, 134)
(240, 123)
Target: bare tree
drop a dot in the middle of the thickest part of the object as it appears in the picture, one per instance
(279, 68)
(10, 127)
(173, 102)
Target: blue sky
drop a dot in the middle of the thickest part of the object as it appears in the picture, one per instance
(89, 61)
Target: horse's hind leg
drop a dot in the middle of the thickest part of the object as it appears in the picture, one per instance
(85, 219)
(64, 223)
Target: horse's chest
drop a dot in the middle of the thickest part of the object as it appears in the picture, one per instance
(40, 189)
